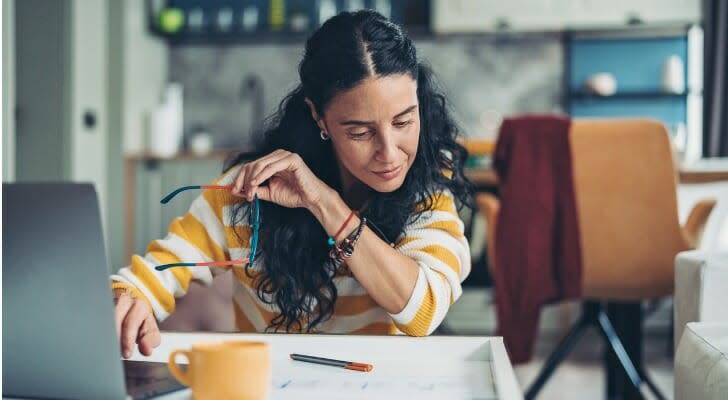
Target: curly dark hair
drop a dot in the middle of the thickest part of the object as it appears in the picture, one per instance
(296, 273)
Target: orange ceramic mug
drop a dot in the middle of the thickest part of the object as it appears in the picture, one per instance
(225, 370)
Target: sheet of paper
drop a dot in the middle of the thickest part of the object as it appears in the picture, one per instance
(452, 381)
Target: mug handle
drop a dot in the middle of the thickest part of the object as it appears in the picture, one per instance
(175, 369)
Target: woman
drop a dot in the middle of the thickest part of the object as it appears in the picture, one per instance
(357, 186)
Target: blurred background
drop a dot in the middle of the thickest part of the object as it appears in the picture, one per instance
(142, 96)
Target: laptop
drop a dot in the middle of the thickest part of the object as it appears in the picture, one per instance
(59, 338)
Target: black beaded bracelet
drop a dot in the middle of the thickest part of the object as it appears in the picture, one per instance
(345, 248)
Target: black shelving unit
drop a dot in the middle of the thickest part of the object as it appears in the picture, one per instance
(208, 38)
(413, 15)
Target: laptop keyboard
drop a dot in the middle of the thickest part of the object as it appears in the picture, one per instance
(148, 379)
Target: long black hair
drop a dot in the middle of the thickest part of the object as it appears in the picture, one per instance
(296, 273)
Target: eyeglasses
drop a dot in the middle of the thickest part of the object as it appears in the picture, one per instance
(253, 221)
(177, 191)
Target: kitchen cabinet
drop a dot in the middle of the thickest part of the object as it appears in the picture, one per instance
(148, 180)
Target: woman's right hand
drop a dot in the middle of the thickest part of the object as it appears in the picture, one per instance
(135, 324)
(288, 181)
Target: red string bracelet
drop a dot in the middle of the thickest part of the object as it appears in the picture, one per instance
(332, 239)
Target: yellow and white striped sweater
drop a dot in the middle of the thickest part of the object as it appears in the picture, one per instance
(435, 241)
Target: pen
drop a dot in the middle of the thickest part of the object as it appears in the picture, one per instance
(355, 366)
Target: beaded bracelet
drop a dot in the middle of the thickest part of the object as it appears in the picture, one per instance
(332, 239)
(345, 249)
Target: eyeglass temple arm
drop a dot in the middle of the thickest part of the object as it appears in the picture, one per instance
(201, 264)
(177, 191)
(255, 224)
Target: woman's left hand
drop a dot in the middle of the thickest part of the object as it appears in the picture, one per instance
(290, 182)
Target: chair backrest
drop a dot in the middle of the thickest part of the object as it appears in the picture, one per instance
(625, 187)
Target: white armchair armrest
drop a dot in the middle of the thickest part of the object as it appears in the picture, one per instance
(701, 289)
(701, 362)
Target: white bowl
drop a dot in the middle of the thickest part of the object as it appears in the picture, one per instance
(603, 84)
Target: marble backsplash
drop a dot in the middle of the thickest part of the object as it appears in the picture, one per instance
(229, 89)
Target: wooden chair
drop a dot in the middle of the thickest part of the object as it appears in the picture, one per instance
(626, 196)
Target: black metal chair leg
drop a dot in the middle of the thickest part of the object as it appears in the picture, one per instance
(606, 328)
(558, 355)
(651, 384)
(610, 335)
(594, 313)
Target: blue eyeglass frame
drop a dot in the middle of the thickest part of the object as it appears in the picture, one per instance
(253, 218)
(254, 222)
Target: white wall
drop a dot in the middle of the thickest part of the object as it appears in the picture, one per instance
(89, 94)
(694, 148)
(112, 66)
(137, 72)
(115, 165)
(145, 73)
(8, 85)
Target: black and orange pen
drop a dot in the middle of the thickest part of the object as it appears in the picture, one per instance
(355, 366)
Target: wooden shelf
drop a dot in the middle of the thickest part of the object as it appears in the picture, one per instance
(703, 176)
(704, 171)
(186, 156)
(627, 95)
(478, 147)
(483, 176)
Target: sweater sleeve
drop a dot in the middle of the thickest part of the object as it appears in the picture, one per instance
(436, 241)
(200, 235)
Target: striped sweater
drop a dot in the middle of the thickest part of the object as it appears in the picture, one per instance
(435, 241)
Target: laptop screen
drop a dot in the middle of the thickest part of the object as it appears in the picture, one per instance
(59, 337)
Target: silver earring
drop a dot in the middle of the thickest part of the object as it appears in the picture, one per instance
(323, 135)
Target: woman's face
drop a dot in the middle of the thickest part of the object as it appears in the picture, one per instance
(375, 130)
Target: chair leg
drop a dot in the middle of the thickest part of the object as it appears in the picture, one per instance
(651, 384)
(606, 328)
(636, 377)
(558, 355)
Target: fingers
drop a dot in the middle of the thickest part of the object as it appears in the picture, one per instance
(239, 181)
(249, 172)
(148, 337)
(123, 304)
(252, 174)
(131, 324)
(264, 192)
(282, 164)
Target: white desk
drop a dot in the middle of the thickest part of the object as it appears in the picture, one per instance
(463, 367)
